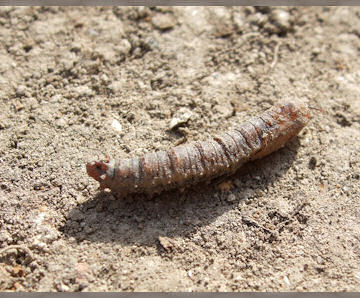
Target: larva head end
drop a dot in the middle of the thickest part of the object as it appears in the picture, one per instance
(96, 170)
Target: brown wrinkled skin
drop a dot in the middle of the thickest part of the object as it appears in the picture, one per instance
(188, 164)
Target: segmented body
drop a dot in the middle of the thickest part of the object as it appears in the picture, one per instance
(188, 164)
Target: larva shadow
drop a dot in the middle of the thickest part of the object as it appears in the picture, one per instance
(141, 221)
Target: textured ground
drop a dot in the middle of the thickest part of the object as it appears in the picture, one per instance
(80, 82)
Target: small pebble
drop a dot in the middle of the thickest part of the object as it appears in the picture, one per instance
(163, 22)
(39, 245)
(61, 123)
(312, 163)
(83, 91)
(83, 272)
(190, 273)
(286, 280)
(239, 21)
(182, 116)
(320, 260)
(63, 288)
(165, 243)
(281, 19)
(225, 110)
(116, 86)
(124, 47)
(116, 125)
(92, 33)
(21, 90)
(231, 198)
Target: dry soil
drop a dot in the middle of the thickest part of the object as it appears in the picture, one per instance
(78, 82)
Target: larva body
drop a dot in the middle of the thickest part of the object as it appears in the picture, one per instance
(188, 164)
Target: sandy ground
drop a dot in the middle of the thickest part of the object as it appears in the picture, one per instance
(76, 83)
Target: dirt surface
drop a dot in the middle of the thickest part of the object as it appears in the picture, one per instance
(76, 83)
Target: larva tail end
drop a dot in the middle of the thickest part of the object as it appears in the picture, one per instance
(298, 110)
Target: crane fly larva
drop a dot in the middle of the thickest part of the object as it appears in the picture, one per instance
(188, 164)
